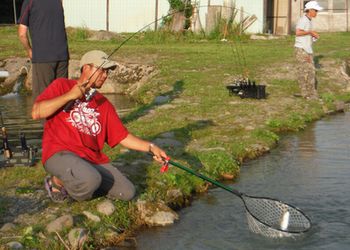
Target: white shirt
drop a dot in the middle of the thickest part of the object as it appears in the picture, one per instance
(304, 42)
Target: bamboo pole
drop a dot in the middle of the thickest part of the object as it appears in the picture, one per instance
(14, 11)
(156, 16)
(289, 31)
(347, 15)
(107, 15)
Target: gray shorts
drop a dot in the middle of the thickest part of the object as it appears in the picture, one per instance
(84, 180)
(45, 73)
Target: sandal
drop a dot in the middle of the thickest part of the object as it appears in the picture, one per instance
(57, 194)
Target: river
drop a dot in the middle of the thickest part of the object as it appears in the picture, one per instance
(16, 114)
(309, 169)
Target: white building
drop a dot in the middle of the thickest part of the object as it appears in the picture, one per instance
(132, 15)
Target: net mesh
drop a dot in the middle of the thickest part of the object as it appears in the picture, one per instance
(273, 218)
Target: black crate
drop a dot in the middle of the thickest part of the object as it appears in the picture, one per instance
(247, 89)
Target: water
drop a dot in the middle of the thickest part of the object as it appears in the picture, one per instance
(310, 170)
(16, 112)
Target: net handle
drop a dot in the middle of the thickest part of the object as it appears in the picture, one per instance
(240, 195)
(206, 178)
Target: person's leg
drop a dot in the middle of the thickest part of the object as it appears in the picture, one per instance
(306, 74)
(79, 177)
(43, 75)
(114, 183)
(62, 69)
(301, 61)
(312, 79)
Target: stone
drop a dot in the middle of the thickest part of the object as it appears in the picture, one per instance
(106, 207)
(339, 106)
(7, 227)
(170, 134)
(91, 216)
(163, 142)
(14, 245)
(77, 237)
(61, 223)
(156, 214)
(161, 99)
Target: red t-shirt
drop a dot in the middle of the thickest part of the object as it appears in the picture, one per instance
(84, 129)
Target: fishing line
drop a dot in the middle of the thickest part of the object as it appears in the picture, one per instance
(237, 60)
(92, 91)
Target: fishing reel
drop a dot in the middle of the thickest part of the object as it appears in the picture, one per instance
(23, 155)
(247, 89)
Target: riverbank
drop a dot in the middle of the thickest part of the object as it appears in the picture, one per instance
(187, 110)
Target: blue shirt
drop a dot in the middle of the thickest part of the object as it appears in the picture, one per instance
(45, 20)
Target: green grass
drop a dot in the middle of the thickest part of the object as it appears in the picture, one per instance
(218, 132)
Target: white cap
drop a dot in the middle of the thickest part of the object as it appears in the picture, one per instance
(313, 5)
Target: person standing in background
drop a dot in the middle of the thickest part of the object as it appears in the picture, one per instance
(48, 49)
(305, 36)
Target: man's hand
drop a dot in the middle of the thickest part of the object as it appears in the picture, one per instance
(308, 58)
(80, 89)
(158, 154)
(23, 37)
(314, 34)
(30, 53)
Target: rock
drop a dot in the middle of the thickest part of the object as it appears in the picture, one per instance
(156, 214)
(91, 216)
(126, 78)
(61, 223)
(102, 35)
(163, 142)
(264, 37)
(161, 218)
(110, 235)
(16, 67)
(175, 196)
(227, 176)
(170, 134)
(7, 227)
(106, 207)
(167, 106)
(339, 106)
(14, 245)
(257, 37)
(77, 237)
(249, 128)
(128, 243)
(161, 99)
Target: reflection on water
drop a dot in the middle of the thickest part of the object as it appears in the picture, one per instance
(309, 170)
(16, 112)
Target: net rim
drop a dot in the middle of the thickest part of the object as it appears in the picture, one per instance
(289, 205)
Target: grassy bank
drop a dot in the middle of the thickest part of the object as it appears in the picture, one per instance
(214, 132)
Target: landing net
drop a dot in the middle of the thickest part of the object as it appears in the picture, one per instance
(274, 219)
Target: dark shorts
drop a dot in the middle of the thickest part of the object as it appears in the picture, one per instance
(45, 73)
(84, 180)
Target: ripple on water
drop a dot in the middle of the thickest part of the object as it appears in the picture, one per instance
(309, 170)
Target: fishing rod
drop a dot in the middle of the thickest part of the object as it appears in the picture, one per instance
(266, 216)
(5, 142)
(91, 92)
